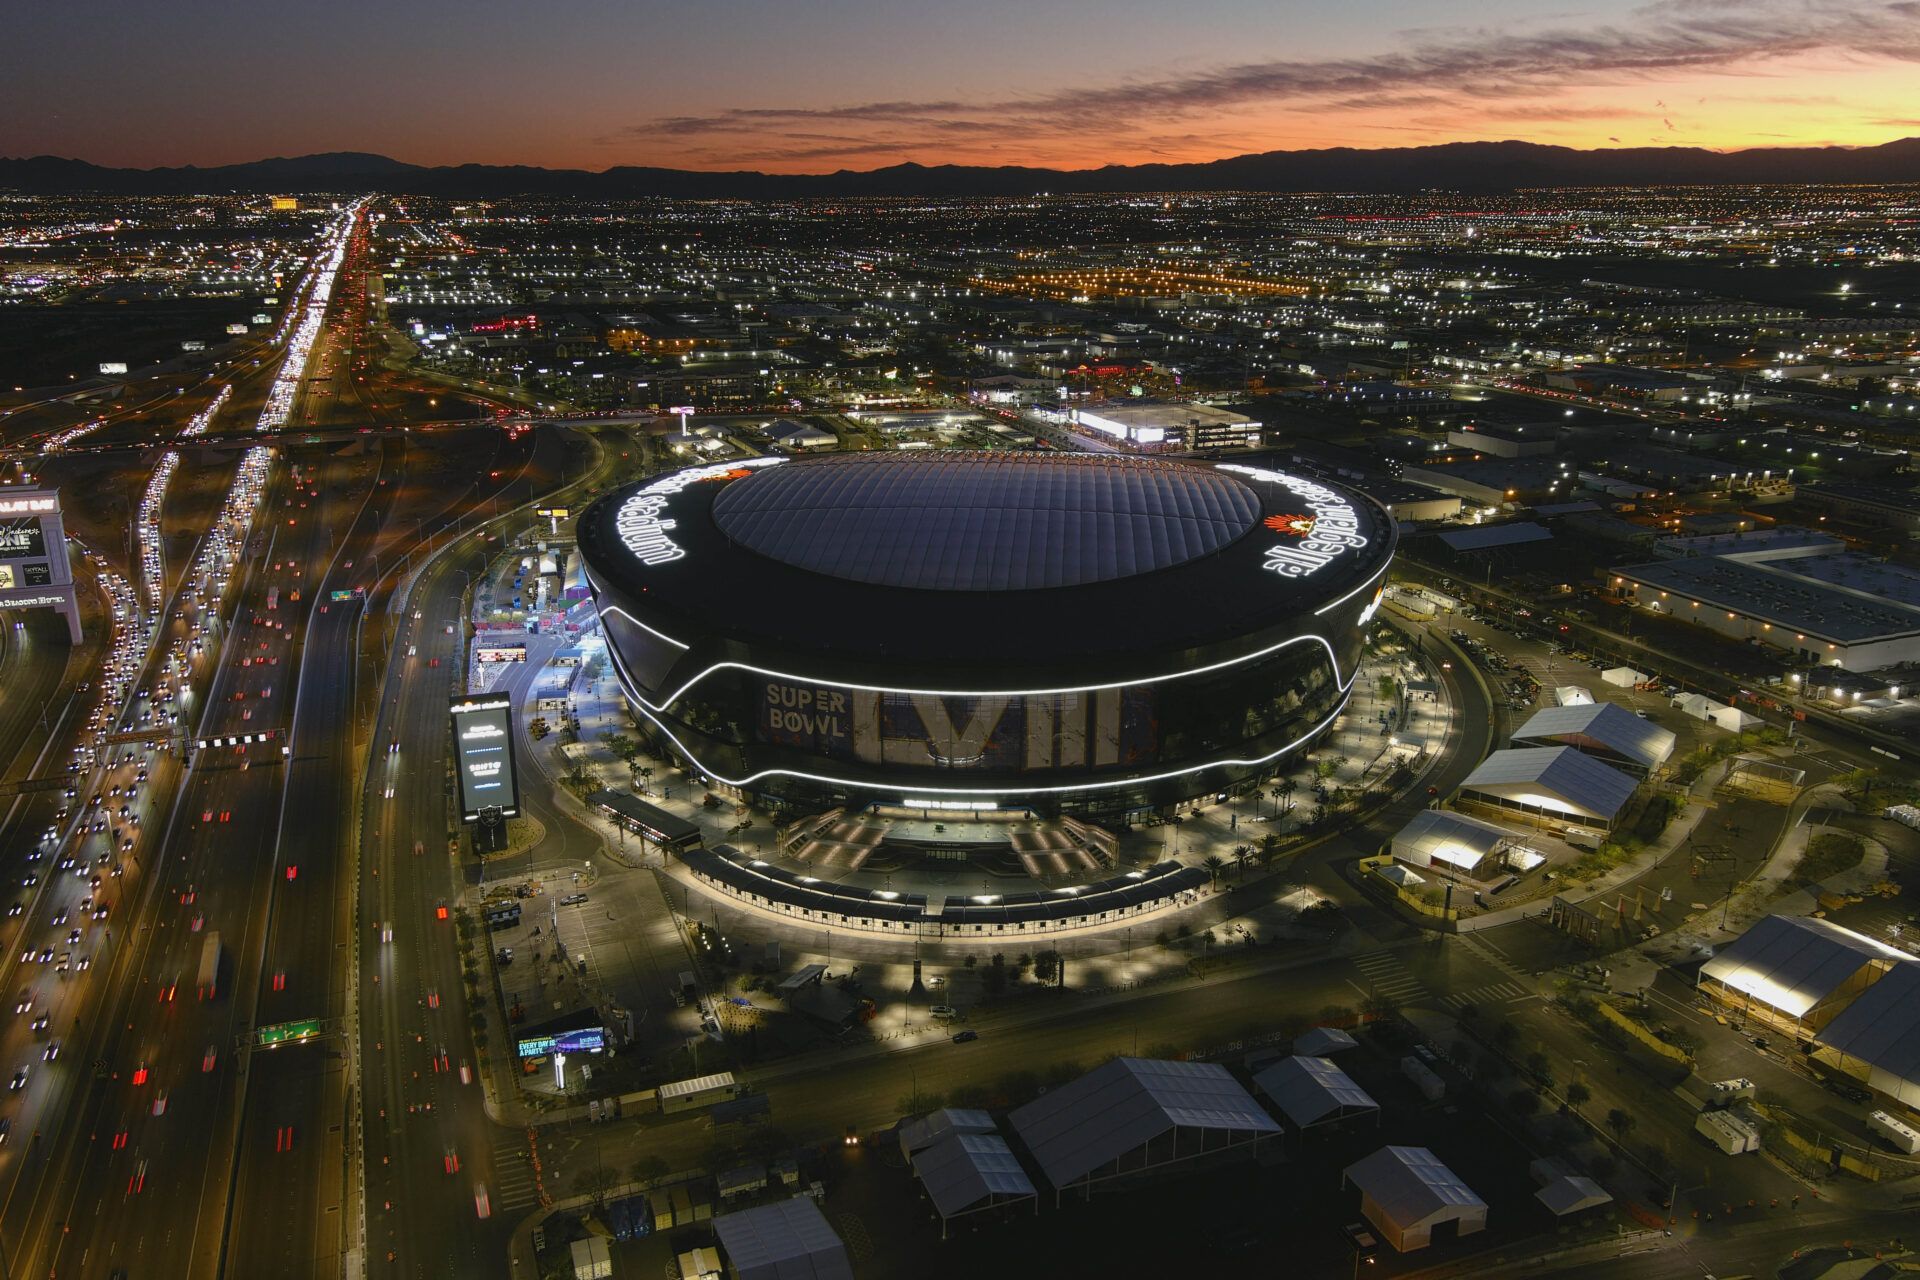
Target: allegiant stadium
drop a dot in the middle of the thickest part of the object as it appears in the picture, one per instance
(1091, 634)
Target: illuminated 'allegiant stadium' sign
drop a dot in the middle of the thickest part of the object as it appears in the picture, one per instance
(1335, 528)
(640, 526)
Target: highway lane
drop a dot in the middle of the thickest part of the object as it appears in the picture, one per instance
(429, 1174)
(295, 1095)
(220, 825)
(301, 1088)
(34, 658)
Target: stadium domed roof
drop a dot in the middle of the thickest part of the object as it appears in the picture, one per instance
(985, 521)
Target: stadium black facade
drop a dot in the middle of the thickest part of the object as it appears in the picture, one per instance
(1057, 632)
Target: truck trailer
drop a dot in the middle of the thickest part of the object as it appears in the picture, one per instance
(209, 982)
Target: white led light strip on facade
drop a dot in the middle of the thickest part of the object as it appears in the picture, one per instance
(1130, 780)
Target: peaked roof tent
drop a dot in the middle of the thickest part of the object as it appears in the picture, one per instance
(1554, 777)
(1318, 1042)
(1572, 1194)
(1410, 1184)
(1311, 1091)
(1881, 1030)
(1612, 728)
(1076, 1130)
(1792, 963)
(921, 1133)
(786, 1240)
(963, 1170)
(1440, 835)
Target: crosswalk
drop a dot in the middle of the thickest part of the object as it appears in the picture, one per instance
(513, 1172)
(1492, 993)
(1385, 974)
(1486, 951)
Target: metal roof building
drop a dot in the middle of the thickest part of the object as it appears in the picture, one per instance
(970, 1173)
(1313, 1091)
(1555, 783)
(786, 1240)
(1877, 1037)
(1138, 1114)
(1410, 1197)
(1794, 972)
(1602, 730)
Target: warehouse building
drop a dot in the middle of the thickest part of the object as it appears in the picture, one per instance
(1835, 609)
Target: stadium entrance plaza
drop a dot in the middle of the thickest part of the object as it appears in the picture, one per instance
(628, 934)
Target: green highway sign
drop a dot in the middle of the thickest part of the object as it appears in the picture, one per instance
(284, 1032)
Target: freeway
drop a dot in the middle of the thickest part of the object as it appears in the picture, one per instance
(34, 658)
(290, 1176)
(430, 1173)
(157, 1094)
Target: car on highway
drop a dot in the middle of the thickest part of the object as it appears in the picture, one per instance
(39, 1023)
(209, 1058)
(965, 1037)
(19, 1079)
(160, 1103)
(51, 1052)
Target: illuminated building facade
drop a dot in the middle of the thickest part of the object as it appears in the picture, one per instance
(1056, 632)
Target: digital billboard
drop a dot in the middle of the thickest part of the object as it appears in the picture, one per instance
(501, 653)
(22, 539)
(585, 1040)
(483, 753)
(25, 575)
(33, 555)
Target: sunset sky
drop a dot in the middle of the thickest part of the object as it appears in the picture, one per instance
(825, 84)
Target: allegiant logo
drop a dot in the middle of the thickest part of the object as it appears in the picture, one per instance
(640, 525)
(1331, 528)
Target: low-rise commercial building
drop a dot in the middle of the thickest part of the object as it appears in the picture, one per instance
(1833, 609)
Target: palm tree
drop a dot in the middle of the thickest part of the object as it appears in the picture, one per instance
(1578, 1095)
(1621, 1122)
(1241, 852)
(1286, 789)
(1214, 864)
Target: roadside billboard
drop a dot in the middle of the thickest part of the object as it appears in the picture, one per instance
(483, 754)
(584, 1040)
